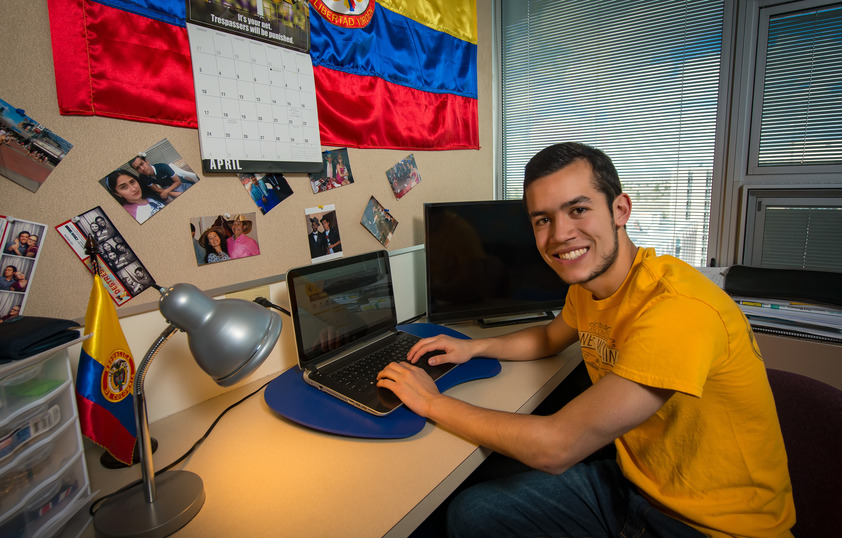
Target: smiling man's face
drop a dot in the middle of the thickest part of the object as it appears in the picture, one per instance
(575, 227)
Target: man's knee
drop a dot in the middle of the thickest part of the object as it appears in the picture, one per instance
(472, 512)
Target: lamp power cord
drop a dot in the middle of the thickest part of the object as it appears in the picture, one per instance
(95, 504)
(263, 301)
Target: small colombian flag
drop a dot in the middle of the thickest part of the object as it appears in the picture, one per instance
(105, 379)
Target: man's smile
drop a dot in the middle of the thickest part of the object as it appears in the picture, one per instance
(573, 254)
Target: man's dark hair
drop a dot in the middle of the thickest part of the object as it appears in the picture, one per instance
(141, 157)
(557, 156)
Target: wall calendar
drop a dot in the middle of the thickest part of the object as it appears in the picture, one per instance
(255, 92)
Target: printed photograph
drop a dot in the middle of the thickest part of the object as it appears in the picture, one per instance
(116, 260)
(29, 152)
(336, 171)
(403, 176)
(219, 238)
(267, 190)
(323, 233)
(22, 243)
(377, 220)
(150, 180)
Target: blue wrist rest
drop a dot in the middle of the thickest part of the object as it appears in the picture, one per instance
(292, 398)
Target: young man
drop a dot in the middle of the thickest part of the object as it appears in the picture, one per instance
(318, 244)
(18, 245)
(240, 245)
(679, 386)
(160, 177)
(8, 277)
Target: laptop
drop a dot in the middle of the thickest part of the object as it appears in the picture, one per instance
(345, 324)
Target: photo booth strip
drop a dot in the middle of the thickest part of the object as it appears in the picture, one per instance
(124, 276)
(10, 229)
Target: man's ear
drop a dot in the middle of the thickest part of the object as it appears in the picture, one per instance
(622, 209)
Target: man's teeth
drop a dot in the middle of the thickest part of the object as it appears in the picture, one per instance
(573, 254)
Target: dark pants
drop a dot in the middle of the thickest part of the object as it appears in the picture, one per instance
(589, 499)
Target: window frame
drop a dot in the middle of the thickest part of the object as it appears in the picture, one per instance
(734, 244)
(759, 197)
(764, 14)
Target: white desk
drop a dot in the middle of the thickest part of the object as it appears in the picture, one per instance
(267, 476)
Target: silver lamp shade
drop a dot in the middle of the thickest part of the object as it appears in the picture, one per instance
(228, 338)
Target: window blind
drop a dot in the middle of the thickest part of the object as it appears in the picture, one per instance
(636, 79)
(802, 98)
(802, 238)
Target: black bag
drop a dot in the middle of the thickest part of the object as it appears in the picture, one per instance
(787, 284)
(25, 336)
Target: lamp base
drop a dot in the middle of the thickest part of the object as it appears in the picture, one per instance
(181, 495)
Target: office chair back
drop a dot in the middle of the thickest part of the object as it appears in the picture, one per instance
(810, 413)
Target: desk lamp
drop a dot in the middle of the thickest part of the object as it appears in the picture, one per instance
(228, 339)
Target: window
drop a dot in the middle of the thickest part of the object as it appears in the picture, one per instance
(795, 230)
(798, 99)
(789, 148)
(636, 79)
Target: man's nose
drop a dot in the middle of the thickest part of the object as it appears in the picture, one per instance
(562, 230)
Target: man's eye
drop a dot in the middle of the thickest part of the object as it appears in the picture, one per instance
(579, 210)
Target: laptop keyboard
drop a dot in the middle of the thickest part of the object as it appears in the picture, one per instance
(361, 375)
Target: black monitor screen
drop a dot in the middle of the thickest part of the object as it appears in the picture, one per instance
(482, 263)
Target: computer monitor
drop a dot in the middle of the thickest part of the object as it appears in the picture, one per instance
(483, 265)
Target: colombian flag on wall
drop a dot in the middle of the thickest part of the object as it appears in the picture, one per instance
(389, 74)
(401, 73)
(105, 379)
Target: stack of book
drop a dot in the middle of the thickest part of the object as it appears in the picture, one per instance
(791, 318)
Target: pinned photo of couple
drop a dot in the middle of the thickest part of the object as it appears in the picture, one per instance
(267, 190)
(150, 180)
(222, 237)
(323, 233)
(336, 171)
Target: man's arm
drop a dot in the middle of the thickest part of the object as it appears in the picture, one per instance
(554, 443)
(157, 190)
(526, 344)
(176, 182)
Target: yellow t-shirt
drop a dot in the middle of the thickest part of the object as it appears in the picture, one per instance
(713, 455)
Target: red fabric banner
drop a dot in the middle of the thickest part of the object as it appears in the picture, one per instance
(109, 62)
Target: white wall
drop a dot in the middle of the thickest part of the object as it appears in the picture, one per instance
(174, 382)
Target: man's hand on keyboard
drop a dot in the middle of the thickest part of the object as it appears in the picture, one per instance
(411, 384)
(455, 350)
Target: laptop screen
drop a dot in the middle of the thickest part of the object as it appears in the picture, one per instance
(337, 303)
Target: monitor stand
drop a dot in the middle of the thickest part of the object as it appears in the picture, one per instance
(513, 320)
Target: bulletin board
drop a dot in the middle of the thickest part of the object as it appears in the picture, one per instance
(163, 243)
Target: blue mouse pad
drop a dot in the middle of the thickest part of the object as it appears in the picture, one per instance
(291, 397)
